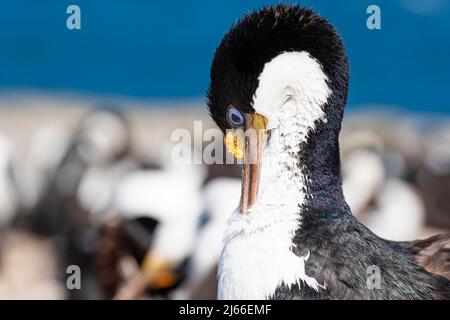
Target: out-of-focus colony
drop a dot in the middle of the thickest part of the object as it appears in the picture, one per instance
(89, 186)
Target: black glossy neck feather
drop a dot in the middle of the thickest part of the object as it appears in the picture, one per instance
(320, 161)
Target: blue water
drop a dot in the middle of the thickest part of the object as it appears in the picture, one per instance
(163, 49)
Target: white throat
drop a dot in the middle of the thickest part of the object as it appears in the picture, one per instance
(257, 256)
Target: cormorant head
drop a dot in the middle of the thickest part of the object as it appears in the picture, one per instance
(274, 65)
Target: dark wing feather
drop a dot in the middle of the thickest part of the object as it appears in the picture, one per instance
(432, 254)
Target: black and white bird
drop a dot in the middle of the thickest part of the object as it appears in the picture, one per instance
(283, 71)
(170, 195)
(201, 282)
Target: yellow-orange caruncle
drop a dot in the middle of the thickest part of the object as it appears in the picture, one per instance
(234, 145)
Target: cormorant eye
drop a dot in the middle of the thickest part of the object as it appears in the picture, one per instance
(234, 117)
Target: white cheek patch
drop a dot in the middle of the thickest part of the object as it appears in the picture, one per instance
(292, 76)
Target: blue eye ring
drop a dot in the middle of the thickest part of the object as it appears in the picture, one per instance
(234, 117)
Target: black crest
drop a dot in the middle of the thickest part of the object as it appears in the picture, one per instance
(258, 38)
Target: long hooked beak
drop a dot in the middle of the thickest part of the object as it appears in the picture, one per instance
(249, 146)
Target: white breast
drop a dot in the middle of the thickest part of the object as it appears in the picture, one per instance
(255, 262)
